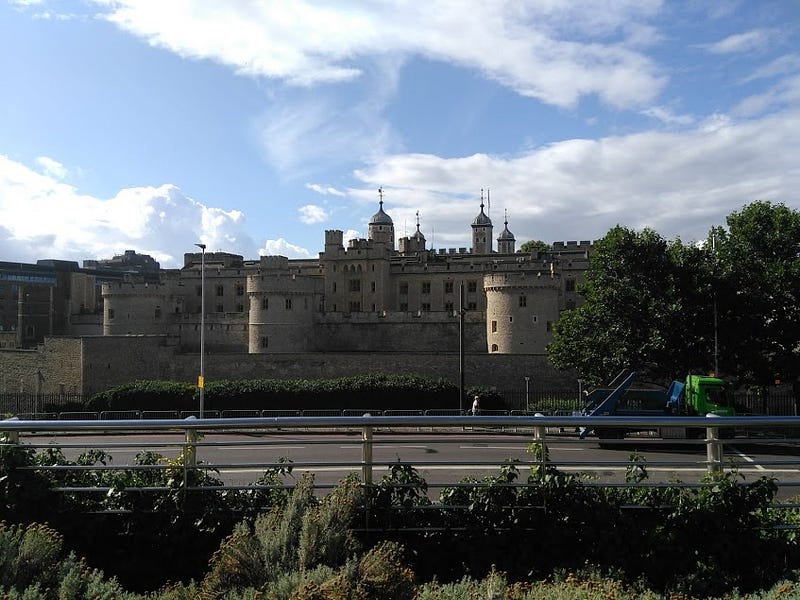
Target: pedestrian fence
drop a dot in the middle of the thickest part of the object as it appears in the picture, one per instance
(751, 446)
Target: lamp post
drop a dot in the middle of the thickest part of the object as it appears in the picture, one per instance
(201, 382)
(527, 394)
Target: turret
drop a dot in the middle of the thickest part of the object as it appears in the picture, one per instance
(482, 232)
(381, 227)
(506, 243)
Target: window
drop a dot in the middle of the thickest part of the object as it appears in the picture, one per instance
(220, 290)
(535, 319)
(240, 308)
(404, 289)
(494, 326)
(239, 289)
(549, 326)
(472, 286)
(157, 312)
(448, 287)
(448, 306)
(523, 301)
(494, 348)
(110, 314)
(426, 307)
(265, 304)
(264, 341)
(288, 304)
(220, 308)
(569, 285)
(372, 286)
(334, 286)
(472, 306)
(404, 306)
(355, 306)
(355, 285)
(426, 287)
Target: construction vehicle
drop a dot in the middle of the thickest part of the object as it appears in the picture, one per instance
(698, 395)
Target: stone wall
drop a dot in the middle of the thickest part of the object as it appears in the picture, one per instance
(93, 364)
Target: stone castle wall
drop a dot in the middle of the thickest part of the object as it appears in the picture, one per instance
(93, 364)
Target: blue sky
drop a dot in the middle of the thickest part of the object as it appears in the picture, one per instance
(255, 126)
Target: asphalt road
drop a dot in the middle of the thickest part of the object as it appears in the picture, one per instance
(443, 458)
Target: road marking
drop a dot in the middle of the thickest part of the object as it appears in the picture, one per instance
(748, 459)
(255, 447)
(493, 447)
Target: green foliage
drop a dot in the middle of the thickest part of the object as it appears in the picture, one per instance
(650, 304)
(374, 391)
(146, 395)
(34, 564)
(304, 534)
(647, 308)
(537, 246)
(759, 277)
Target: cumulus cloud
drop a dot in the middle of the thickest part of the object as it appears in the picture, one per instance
(556, 52)
(310, 214)
(160, 221)
(680, 183)
(281, 247)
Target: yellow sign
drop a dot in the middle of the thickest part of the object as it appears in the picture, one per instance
(201, 382)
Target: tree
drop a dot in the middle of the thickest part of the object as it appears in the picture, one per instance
(758, 259)
(648, 307)
(535, 246)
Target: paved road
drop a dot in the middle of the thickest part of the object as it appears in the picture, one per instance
(443, 458)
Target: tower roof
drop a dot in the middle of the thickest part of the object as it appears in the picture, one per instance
(506, 235)
(482, 220)
(380, 217)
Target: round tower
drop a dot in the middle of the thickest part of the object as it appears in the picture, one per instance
(381, 226)
(520, 311)
(482, 232)
(282, 309)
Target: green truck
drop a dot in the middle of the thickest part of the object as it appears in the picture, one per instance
(698, 395)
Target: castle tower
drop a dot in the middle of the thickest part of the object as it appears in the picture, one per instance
(506, 243)
(482, 232)
(413, 244)
(381, 227)
(520, 311)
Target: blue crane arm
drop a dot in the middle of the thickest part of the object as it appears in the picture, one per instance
(608, 405)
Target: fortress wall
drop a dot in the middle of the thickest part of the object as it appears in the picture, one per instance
(107, 361)
(51, 368)
(386, 335)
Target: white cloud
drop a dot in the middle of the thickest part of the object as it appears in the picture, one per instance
(324, 190)
(680, 183)
(556, 52)
(742, 42)
(281, 247)
(352, 234)
(310, 214)
(160, 221)
(665, 115)
(52, 168)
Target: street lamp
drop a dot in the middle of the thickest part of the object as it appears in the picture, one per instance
(201, 383)
(527, 394)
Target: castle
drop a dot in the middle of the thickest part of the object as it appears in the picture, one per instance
(368, 297)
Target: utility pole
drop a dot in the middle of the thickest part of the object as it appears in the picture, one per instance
(201, 380)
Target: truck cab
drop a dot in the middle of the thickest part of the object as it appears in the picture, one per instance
(704, 395)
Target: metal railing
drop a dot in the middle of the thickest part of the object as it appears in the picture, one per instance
(720, 442)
